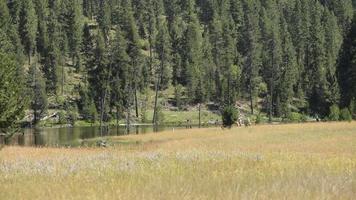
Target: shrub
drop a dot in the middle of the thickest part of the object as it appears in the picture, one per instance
(259, 118)
(72, 113)
(160, 115)
(304, 118)
(178, 93)
(62, 117)
(295, 117)
(229, 116)
(334, 113)
(345, 115)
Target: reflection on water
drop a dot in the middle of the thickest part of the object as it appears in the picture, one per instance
(55, 137)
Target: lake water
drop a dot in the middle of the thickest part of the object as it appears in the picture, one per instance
(73, 136)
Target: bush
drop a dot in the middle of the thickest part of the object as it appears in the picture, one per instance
(345, 115)
(178, 93)
(334, 113)
(72, 113)
(295, 117)
(304, 118)
(259, 118)
(160, 115)
(62, 117)
(229, 116)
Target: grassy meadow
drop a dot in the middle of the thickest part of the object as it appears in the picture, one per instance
(298, 161)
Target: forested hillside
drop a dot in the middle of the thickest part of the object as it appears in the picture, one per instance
(280, 56)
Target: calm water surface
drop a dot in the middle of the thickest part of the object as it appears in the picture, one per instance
(73, 136)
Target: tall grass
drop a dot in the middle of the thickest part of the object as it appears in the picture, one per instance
(302, 161)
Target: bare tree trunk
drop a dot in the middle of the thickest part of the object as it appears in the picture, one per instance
(251, 100)
(117, 116)
(62, 86)
(271, 92)
(104, 98)
(128, 118)
(136, 103)
(102, 102)
(271, 103)
(29, 57)
(199, 115)
(156, 97)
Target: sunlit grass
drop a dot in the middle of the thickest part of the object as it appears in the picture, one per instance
(301, 161)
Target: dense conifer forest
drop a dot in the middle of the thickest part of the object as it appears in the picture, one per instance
(279, 57)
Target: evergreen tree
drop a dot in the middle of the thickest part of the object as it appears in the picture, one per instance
(87, 50)
(317, 82)
(347, 67)
(28, 27)
(121, 72)
(51, 58)
(194, 59)
(288, 71)
(163, 51)
(74, 28)
(37, 93)
(252, 52)
(5, 21)
(272, 55)
(104, 17)
(42, 16)
(12, 99)
(333, 43)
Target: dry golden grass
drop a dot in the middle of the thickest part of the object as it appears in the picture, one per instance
(301, 161)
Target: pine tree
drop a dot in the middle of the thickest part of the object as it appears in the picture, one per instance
(163, 53)
(51, 58)
(317, 61)
(121, 73)
(74, 28)
(272, 54)
(347, 68)
(12, 99)
(104, 17)
(288, 71)
(5, 21)
(42, 16)
(194, 59)
(230, 67)
(28, 27)
(252, 53)
(208, 72)
(37, 93)
(332, 46)
(300, 34)
(134, 51)
(87, 50)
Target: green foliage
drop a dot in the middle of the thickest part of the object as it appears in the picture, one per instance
(86, 106)
(296, 117)
(334, 114)
(259, 118)
(37, 91)
(12, 99)
(178, 93)
(28, 27)
(229, 116)
(345, 115)
(72, 113)
(62, 117)
(160, 118)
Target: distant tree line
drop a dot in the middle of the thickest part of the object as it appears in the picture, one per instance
(290, 56)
